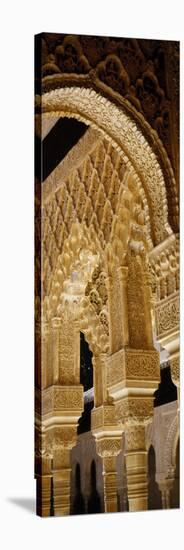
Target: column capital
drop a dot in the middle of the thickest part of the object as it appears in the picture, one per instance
(134, 409)
(132, 368)
(103, 419)
(135, 437)
(109, 446)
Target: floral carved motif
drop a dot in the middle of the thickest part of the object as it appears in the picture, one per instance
(60, 399)
(134, 409)
(68, 398)
(108, 447)
(130, 74)
(135, 437)
(164, 269)
(175, 368)
(138, 301)
(142, 364)
(167, 315)
(64, 437)
(103, 416)
(133, 364)
(116, 367)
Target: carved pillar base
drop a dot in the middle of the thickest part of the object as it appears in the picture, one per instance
(61, 482)
(137, 468)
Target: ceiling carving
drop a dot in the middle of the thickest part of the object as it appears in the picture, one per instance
(143, 73)
(100, 193)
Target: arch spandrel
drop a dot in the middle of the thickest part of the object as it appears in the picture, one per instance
(91, 108)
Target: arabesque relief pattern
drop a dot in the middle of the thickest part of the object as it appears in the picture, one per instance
(141, 75)
(110, 270)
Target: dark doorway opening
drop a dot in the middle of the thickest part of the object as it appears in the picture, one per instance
(94, 503)
(154, 494)
(79, 502)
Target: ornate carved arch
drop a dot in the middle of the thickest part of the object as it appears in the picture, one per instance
(100, 193)
(91, 108)
(170, 447)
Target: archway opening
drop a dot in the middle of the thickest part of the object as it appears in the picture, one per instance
(86, 379)
(94, 504)
(154, 494)
(167, 391)
(86, 367)
(79, 502)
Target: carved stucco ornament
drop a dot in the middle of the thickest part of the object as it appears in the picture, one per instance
(91, 108)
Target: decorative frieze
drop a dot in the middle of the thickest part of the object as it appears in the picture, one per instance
(70, 398)
(64, 437)
(134, 409)
(142, 364)
(108, 446)
(129, 364)
(102, 417)
(167, 316)
(175, 368)
(60, 399)
(116, 367)
(135, 437)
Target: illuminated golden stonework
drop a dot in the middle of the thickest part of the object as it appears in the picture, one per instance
(109, 270)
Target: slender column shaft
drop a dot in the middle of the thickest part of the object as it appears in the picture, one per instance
(165, 488)
(100, 383)
(110, 484)
(61, 482)
(147, 311)
(136, 467)
(165, 499)
(43, 486)
(123, 276)
(56, 327)
(137, 481)
(43, 495)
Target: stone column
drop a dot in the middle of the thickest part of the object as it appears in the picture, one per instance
(137, 467)
(108, 448)
(43, 488)
(100, 379)
(56, 434)
(123, 277)
(56, 327)
(61, 481)
(166, 488)
(108, 436)
(110, 484)
(115, 323)
(134, 375)
(44, 355)
(43, 472)
(147, 296)
(67, 408)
